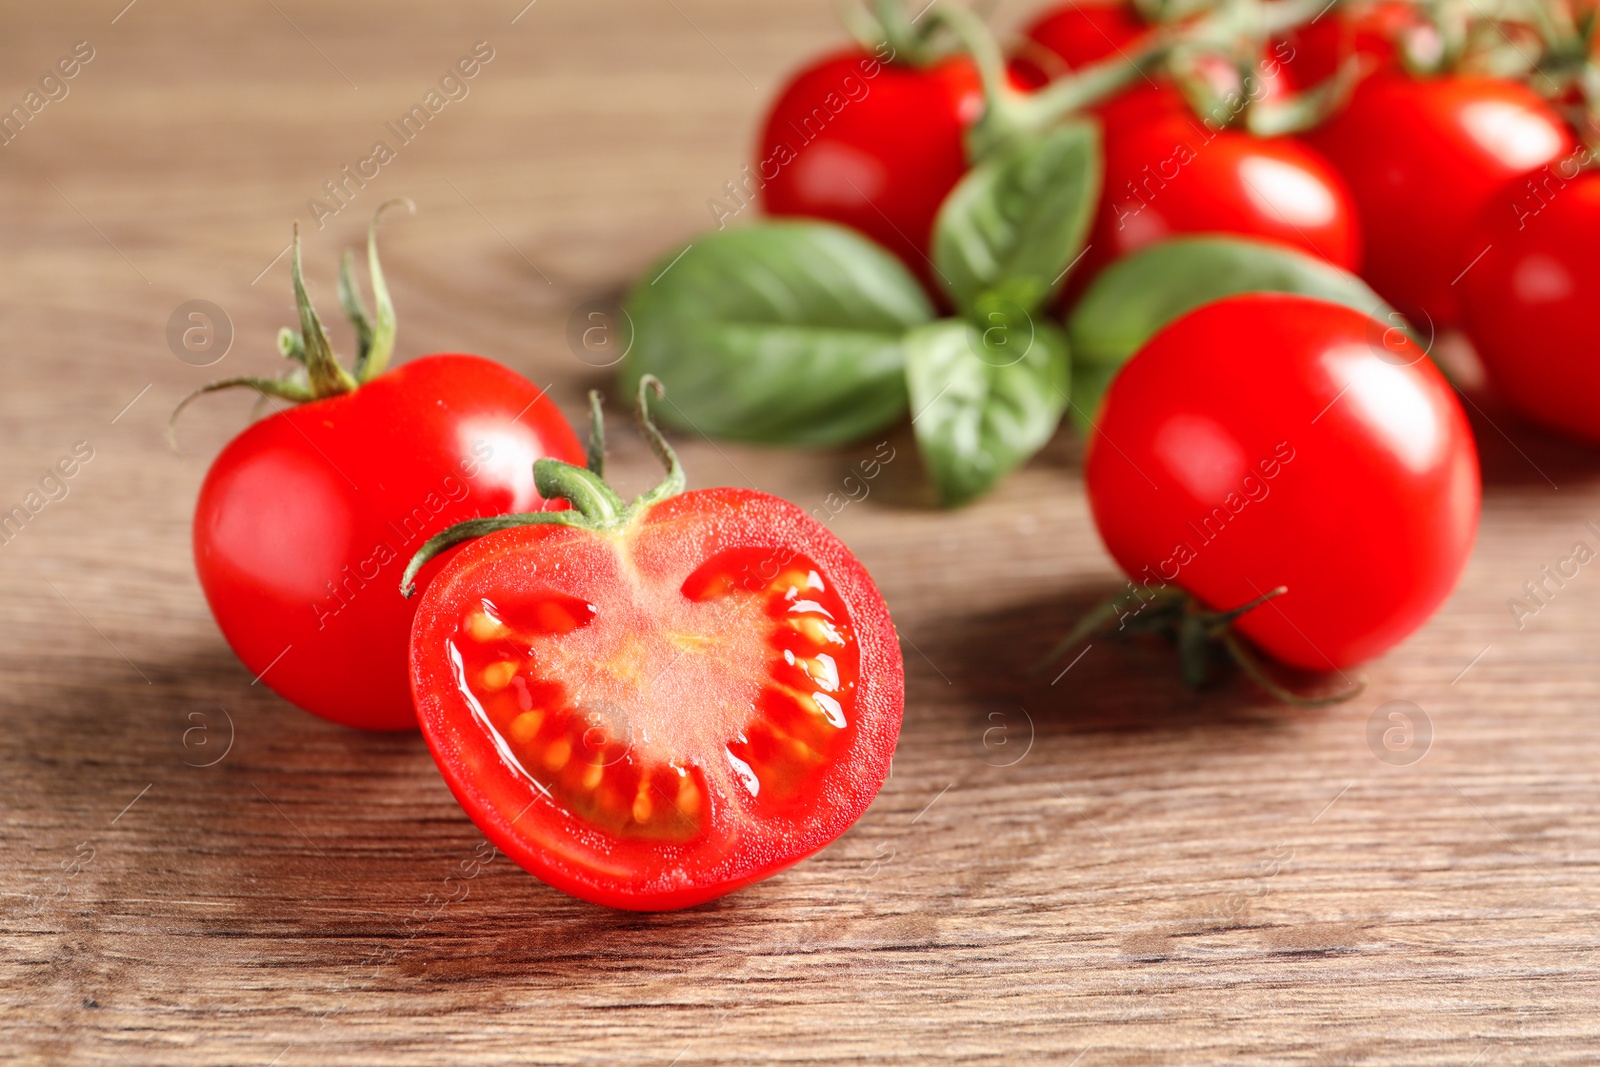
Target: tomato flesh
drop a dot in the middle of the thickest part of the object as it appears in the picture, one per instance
(665, 712)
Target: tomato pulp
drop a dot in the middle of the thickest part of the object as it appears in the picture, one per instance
(1272, 440)
(652, 708)
(871, 144)
(307, 518)
(1531, 300)
(1423, 158)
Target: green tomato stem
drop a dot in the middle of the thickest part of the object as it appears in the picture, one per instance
(595, 505)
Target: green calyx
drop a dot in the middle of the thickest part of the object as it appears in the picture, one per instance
(595, 505)
(1203, 636)
(319, 373)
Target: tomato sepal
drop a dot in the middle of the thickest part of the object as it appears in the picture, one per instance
(1203, 636)
(595, 505)
(320, 373)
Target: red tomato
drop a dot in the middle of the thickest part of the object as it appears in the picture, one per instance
(1531, 300)
(1367, 30)
(871, 145)
(1074, 35)
(1176, 175)
(664, 705)
(306, 520)
(1423, 158)
(1268, 440)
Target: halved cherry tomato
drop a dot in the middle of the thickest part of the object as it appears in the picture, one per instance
(1272, 440)
(1423, 158)
(872, 145)
(649, 707)
(1532, 299)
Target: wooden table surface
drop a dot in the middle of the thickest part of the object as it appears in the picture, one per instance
(1107, 870)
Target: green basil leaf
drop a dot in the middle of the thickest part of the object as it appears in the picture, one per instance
(981, 409)
(779, 332)
(1015, 223)
(1131, 300)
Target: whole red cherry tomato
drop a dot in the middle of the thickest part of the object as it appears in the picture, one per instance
(306, 519)
(1176, 175)
(1074, 35)
(1368, 31)
(650, 706)
(872, 145)
(1272, 440)
(1423, 158)
(1530, 300)
(1067, 36)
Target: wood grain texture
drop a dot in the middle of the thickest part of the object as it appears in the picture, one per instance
(1104, 870)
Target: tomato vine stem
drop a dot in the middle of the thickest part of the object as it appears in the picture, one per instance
(594, 504)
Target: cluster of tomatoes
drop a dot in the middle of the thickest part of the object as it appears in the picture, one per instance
(1215, 233)
(1273, 435)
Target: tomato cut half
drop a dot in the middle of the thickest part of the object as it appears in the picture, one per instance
(652, 713)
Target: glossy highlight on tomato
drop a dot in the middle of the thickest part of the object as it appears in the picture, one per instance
(1272, 440)
(307, 518)
(872, 144)
(653, 715)
(1531, 299)
(1174, 174)
(1423, 158)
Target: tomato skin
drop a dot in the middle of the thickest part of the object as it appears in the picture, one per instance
(1227, 462)
(1368, 31)
(1530, 300)
(547, 839)
(307, 519)
(1077, 35)
(871, 145)
(1422, 159)
(1174, 174)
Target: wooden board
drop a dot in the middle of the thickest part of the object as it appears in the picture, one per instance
(1101, 870)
